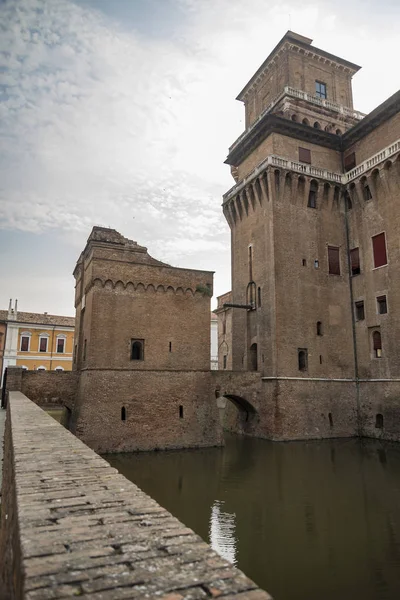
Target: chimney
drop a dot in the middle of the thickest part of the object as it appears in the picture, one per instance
(11, 314)
(16, 308)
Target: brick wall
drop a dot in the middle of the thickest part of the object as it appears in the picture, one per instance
(73, 526)
(45, 388)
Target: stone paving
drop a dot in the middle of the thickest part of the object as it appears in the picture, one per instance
(75, 527)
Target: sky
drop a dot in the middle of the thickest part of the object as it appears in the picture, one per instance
(120, 113)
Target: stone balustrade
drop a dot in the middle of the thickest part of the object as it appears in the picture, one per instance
(371, 162)
(71, 525)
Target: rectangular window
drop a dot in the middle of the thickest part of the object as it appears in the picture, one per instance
(305, 155)
(333, 260)
(379, 249)
(350, 161)
(360, 314)
(60, 345)
(355, 261)
(382, 305)
(320, 89)
(225, 359)
(43, 344)
(25, 343)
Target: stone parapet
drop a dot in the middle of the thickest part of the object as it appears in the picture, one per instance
(71, 525)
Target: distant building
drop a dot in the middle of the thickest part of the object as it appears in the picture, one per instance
(35, 341)
(214, 342)
(224, 319)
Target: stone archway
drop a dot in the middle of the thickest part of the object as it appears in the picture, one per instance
(236, 413)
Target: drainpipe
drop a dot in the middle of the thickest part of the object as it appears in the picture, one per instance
(353, 320)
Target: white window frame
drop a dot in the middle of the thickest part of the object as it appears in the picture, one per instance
(29, 336)
(41, 368)
(59, 369)
(46, 337)
(24, 368)
(61, 336)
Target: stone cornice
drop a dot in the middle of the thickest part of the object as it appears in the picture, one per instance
(294, 43)
(271, 123)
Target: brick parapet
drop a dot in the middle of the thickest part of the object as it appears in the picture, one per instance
(73, 526)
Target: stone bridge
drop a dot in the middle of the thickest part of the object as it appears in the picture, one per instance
(239, 400)
(71, 525)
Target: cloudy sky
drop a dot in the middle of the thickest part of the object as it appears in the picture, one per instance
(120, 112)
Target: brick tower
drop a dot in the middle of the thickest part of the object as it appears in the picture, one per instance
(316, 182)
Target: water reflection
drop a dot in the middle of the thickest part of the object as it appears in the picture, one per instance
(222, 532)
(305, 520)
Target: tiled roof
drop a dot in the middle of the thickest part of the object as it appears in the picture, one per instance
(39, 319)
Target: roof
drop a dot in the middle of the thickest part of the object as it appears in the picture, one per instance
(302, 42)
(39, 319)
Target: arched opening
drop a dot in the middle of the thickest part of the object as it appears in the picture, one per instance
(137, 349)
(253, 364)
(59, 369)
(317, 125)
(338, 132)
(41, 368)
(319, 328)
(302, 359)
(377, 344)
(238, 415)
(366, 190)
(294, 118)
(123, 413)
(379, 421)
(306, 122)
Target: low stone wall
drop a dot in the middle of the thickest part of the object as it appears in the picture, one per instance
(71, 525)
(45, 388)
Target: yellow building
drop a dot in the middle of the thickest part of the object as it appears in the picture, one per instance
(37, 341)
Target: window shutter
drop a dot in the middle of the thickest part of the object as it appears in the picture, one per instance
(377, 340)
(305, 155)
(333, 260)
(379, 247)
(350, 161)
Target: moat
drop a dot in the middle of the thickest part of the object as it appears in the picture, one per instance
(304, 520)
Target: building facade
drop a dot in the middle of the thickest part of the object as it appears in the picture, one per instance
(37, 342)
(142, 350)
(315, 224)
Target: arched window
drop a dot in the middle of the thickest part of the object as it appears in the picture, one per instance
(59, 369)
(366, 190)
(312, 194)
(24, 368)
(306, 122)
(379, 421)
(123, 413)
(338, 132)
(377, 343)
(41, 368)
(253, 358)
(294, 118)
(319, 328)
(317, 125)
(302, 358)
(137, 349)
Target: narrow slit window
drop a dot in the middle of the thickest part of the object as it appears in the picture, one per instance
(330, 419)
(319, 328)
(84, 349)
(259, 296)
(302, 355)
(180, 411)
(225, 360)
(355, 261)
(379, 421)
(123, 413)
(170, 346)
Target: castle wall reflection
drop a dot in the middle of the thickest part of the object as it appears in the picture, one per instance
(305, 520)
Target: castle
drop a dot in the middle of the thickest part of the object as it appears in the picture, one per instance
(307, 336)
(315, 221)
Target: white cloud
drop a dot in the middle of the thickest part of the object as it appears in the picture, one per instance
(104, 125)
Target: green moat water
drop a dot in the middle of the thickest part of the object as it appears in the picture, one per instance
(304, 520)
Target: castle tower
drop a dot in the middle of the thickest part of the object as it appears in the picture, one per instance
(300, 220)
(142, 349)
